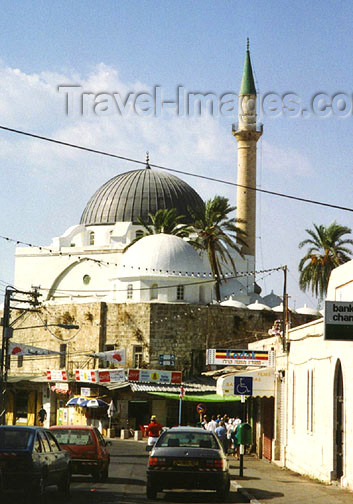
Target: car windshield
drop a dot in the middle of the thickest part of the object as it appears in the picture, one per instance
(188, 439)
(14, 439)
(73, 436)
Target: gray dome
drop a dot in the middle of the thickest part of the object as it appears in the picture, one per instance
(136, 193)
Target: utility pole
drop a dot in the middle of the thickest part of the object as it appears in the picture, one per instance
(285, 310)
(7, 334)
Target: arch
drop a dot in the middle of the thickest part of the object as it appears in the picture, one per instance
(60, 277)
(91, 238)
(338, 422)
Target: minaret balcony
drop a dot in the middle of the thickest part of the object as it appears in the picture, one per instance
(259, 127)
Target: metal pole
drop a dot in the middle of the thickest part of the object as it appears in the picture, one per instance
(180, 405)
(241, 448)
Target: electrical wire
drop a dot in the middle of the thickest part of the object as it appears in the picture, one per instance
(161, 167)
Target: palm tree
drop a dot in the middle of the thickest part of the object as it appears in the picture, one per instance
(327, 250)
(163, 221)
(217, 233)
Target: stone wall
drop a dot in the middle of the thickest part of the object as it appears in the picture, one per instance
(170, 328)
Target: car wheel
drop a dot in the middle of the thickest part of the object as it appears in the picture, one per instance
(39, 491)
(104, 474)
(151, 492)
(64, 485)
(223, 491)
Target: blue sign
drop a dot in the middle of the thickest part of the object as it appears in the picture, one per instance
(167, 360)
(242, 385)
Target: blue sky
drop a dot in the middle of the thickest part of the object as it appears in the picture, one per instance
(126, 46)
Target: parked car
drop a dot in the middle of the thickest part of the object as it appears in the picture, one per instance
(87, 447)
(187, 458)
(31, 459)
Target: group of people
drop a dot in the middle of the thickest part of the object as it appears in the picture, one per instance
(225, 429)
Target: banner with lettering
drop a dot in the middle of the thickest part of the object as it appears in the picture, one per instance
(236, 357)
(154, 376)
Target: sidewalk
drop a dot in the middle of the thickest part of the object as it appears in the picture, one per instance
(265, 482)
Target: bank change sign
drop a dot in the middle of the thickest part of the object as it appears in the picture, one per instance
(339, 320)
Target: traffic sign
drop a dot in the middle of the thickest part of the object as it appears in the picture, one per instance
(243, 385)
(201, 408)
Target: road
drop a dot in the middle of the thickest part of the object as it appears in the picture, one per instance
(126, 484)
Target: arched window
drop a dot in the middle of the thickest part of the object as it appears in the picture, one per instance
(139, 233)
(129, 292)
(180, 292)
(91, 238)
(154, 291)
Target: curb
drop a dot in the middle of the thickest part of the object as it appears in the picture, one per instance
(244, 492)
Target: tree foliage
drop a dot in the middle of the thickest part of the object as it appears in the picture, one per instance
(163, 221)
(327, 250)
(217, 233)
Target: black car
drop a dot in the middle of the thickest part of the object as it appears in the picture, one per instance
(187, 458)
(31, 459)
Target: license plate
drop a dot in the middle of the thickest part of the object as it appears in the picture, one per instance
(186, 463)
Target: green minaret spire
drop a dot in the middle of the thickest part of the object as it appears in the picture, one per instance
(247, 83)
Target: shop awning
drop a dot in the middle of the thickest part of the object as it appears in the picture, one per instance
(204, 398)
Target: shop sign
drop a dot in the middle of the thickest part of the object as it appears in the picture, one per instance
(154, 376)
(111, 375)
(86, 375)
(57, 375)
(339, 320)
(236, 357)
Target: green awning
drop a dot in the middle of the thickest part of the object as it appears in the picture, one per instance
(204, 398)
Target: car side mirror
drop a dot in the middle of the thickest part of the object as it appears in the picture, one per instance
(149, 448)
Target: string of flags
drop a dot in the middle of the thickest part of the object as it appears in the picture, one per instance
(199, 274)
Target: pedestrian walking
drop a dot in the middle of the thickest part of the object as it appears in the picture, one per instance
(212, 424)
(204, 422)
(234, 437)
(42, 415)
(221, 433)
(154, 430)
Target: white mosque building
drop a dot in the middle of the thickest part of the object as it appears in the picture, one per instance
(88, 263)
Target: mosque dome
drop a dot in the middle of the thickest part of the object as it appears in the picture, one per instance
(258, 306)
(162, 255)
(306, 310)
(137, 193)
(279, 308)
(233, 302)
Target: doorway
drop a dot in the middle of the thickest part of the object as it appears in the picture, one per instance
(338, 422)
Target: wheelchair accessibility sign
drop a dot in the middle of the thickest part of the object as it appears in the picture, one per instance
(243, 385)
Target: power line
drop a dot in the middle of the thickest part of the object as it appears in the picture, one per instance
(161, 167)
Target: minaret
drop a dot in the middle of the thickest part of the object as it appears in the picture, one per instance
(247, 132)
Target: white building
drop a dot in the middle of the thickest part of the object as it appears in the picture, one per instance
(313, 399)
(88, 263)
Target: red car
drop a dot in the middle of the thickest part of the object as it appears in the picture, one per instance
(87, 447)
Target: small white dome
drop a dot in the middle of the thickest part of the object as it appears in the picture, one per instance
(279, 308)
(233, 302)
(306, 310)
(162, 255)
(258, 306)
